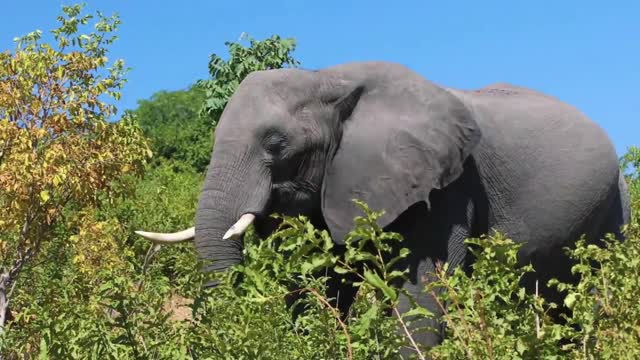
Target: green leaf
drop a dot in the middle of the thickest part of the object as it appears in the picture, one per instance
(315, 263)
(520, 347)
(377, 282)
(570, 300)
(396, 274)
(418, 311)
(44, 350)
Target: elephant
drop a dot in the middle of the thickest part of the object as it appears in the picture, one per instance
(444, 164)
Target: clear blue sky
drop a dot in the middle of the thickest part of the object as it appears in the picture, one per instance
(584, 52)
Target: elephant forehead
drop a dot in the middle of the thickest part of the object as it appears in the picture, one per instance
(251, 109)
(282, 83)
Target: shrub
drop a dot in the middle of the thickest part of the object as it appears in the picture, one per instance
(253, 312)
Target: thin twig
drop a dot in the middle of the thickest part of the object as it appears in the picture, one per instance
(483, 325)
(537, 315)
(454, 298)
(445, 313)
(605, 292)
(406, 331)
(337, 316)
(13, 287)
(4, 300)
(152, 251)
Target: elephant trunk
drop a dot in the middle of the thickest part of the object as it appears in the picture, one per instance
(213, 220)
(232, 196)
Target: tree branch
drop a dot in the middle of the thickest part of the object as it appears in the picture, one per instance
(409, 336)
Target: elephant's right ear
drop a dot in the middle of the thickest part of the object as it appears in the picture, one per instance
(401, 137)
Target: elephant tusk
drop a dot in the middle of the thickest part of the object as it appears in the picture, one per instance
(170, 238)
(239, 227)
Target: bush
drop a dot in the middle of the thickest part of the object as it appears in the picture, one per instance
(489, 315)
(254, 319)
(251, 313)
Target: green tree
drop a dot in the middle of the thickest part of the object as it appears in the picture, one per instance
(271, 53)
(176, 131)
(56, 147)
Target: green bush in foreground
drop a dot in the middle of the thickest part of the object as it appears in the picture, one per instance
(249, 315)
(254, 320)
(489, 315)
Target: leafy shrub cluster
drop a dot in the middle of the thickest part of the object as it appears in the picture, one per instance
(251, 313)
(94, 290)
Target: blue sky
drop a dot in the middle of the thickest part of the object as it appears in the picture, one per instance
(584, 52)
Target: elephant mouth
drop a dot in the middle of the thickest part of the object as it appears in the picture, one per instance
(293, 197)
(289, 198)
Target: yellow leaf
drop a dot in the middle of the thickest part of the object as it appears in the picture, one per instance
(44, 195)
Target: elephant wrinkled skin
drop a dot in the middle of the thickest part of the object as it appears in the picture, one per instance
(445, 164)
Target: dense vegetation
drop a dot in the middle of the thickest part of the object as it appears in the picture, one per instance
(75, 282)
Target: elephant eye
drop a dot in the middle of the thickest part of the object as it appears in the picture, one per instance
(274, 147)
(275, 143)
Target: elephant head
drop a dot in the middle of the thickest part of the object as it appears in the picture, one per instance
(294, 141)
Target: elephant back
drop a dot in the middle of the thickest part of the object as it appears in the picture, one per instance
(539, 156)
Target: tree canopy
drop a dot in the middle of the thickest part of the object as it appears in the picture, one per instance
(177, 132)
(56, 147)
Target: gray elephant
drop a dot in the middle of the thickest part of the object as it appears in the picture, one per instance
(444, 164)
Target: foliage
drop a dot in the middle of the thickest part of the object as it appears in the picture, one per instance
(253, 312)
(605, 306)
(56, 147)
(176, 131)
(286, 272)
(115, 313)
(489, 315)
(80, 304)
(99, 296)
(164, 200)
(271, 53)
(630, 161)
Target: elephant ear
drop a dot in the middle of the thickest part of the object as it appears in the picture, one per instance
(402, 136)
